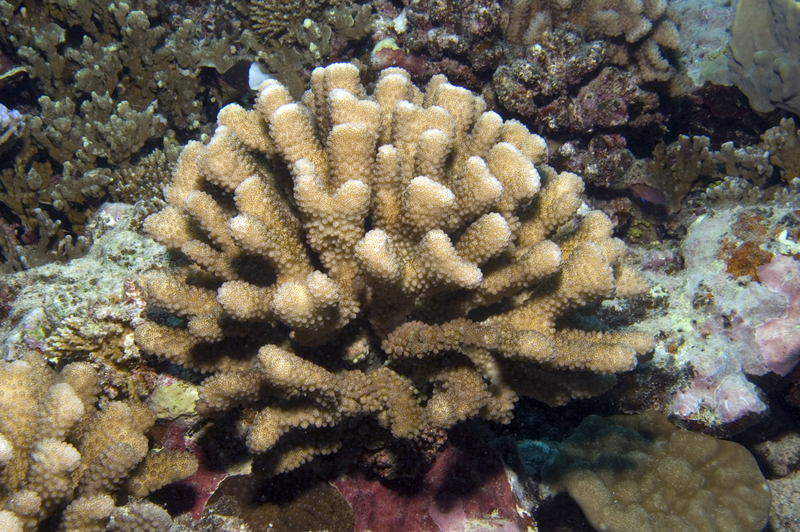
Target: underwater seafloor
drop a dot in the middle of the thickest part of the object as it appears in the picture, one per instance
(242, 294)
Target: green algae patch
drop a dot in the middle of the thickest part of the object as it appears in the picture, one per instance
(173, 400)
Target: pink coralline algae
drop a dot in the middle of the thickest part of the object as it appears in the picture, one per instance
(458, 493)
(203, 483)
(718, 384)
(779, 338)
(389, 57)
(11, 125)
(723, 331)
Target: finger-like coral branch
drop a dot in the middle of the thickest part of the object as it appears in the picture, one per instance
(407, 214)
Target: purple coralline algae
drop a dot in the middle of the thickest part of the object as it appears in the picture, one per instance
(723, 325)
(779, 338)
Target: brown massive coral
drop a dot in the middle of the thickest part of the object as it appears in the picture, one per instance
(639, 472)
(408, 217)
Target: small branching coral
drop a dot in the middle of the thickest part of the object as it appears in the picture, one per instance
(62, 457)
(416, 218)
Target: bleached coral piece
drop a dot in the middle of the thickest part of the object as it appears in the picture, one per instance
(6, 450)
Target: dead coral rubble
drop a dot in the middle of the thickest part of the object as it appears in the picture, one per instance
(578, 65)
(647, 25)
(416, 215)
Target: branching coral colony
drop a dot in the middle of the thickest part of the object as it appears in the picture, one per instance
(416, 216)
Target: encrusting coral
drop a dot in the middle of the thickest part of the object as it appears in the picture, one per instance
(417, 215)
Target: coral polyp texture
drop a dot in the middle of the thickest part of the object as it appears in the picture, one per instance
(412, 220)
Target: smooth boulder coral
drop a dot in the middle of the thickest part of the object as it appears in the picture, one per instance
(412, 218)
(641, 473)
